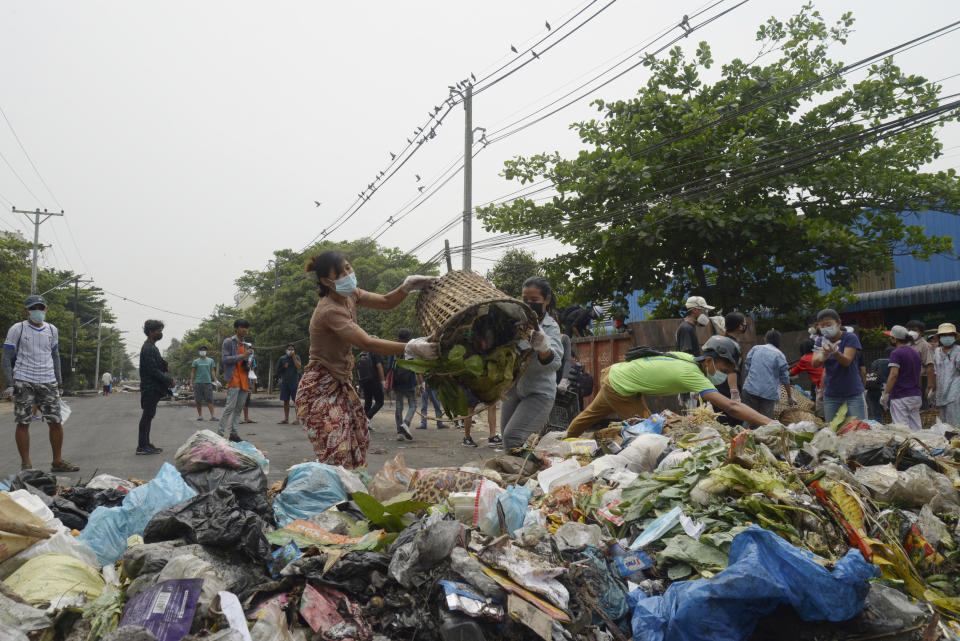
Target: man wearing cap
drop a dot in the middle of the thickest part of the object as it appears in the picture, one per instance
(31, 367)
(687, 339)
(918, 342)
(902, 393)
(946, 361)
(577, 319)
(623, 385)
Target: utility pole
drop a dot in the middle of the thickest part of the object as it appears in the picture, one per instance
(36, 238)
(73, 343)
(96, 374)
(446, 254)
(467, 175)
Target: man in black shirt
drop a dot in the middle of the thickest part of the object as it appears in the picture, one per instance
(288, 371)
(372, 382)
(575, 320)
(687, 339)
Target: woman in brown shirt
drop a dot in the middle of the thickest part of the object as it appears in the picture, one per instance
(328, 406)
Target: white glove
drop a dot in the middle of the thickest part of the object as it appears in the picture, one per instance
(829, 348)
(885, 400)
(564, 385)
(384, 383)
(932, 396)
(7, 393)
(410, 283)
(249, 355)
(539, 341)
(735, 395)
(421, 348)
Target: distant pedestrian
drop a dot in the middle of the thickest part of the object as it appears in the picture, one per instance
(947, 361)
(876, 382)
(576, 320)
(404, 389)
(696, 315)
(919, 343)
(805, 364)
(203, 373)
(106, 380)
(838, 352)
(31, 368)
(235, 355)
(427, 393)
(902, 393)
(766, 369)
(373, 382)
(155, 383)
(288, 370)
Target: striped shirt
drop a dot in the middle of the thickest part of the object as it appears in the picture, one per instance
(33, 348)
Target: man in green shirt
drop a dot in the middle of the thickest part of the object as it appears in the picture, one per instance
(623, 385)
(202, 375)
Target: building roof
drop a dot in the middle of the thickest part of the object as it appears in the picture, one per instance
(933, 294)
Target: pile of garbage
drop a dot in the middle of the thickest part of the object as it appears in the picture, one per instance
(662, 528)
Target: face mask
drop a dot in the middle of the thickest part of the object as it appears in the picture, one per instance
(160, 336)
(537, 308)
(203, 352)
(717, 377)
(289, 352)
(703, 320)
(913, 335)
(37, 315)
(346, 285)
(830, 332)
(947, 341)
(812, 331)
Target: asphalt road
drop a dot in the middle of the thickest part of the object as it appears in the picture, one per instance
(101, 437)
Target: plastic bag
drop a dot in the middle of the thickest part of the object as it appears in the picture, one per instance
(50, 577)
(109, 527)
(551, 444)
(10, 543)
(165, 609)
(108, 482)
(485, 500)
(765, 572)
(576, 536)
(914, 487)
(60, 543)
(673, 459)
(271, 625)
(65, 412)
(392, 479)
(512, 504)
(187, 566)
(350, 480)
(547, 477)
(251, 450)
(206, 449)
(644, 451)
(653, 424)
(249, 486)
(311, 488)
(22, 617)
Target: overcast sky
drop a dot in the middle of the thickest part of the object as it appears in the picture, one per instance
(188, 140)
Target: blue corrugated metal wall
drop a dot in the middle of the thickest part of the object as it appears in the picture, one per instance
(912, 272)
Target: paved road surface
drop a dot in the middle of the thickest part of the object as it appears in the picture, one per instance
(101, 435)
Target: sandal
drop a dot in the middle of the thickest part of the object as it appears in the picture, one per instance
(284, 422)
(63, 465)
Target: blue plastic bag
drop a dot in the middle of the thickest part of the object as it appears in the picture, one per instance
(312, 488)
(765, 572)
(251, 450)
(108, 527)
(653, 424)
(514, 504)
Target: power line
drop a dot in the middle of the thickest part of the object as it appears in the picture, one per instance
(159, 309)
(29, 159)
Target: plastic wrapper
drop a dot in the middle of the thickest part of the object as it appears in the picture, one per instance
(392, 479)
(461, 597)
(109, 527)
(913, 487)
(166, 609)
(109, 482)
(206, 449)
(529, 570)
(50, 577)
(577, 536)
(432, 485)
(22, 617)
(187, 566)
(311, 488)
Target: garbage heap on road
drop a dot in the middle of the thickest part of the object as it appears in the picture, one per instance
(664, 528)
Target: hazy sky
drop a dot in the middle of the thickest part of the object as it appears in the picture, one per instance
(188, 140)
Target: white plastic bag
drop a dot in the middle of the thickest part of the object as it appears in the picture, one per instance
(64, 412)
(642, 453)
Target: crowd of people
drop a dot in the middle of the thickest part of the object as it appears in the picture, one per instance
(916, 372)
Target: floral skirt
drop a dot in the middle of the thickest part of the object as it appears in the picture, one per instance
(331, 412)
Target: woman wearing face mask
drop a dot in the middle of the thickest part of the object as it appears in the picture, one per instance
(946, 361)
(527, 406)
(839, 354)
(328, 406)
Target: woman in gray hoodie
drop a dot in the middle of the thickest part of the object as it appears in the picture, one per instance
(527, 406)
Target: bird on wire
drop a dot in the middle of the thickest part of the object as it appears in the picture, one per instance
(317, 203)
(548, 25)
(513, 49)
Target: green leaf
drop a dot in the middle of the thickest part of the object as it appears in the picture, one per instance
(383, 516)
(839, 418)
(418, 365)
(456, 353)
(474, 365)
(679, 571)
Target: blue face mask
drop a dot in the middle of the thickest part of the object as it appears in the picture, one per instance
(347, 284)
(717, 377)
(947, 341)
(830, 332)
(37, 315)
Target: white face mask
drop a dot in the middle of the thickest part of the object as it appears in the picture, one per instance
(203, 352)
(703, 320)
(812, 331)
(289, 352)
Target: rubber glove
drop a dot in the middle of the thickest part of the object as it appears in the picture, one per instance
(885, 400)
(735, 395)
(539, 341)
(421, 348)
(414, 282)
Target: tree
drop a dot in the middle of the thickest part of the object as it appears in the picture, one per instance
(514, 267)
(741, 190)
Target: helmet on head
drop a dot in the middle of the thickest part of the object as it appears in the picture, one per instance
(722, 347)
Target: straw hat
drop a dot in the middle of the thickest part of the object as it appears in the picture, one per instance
(946, 328)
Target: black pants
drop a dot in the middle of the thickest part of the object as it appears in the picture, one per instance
(372, 397)
(148, 403)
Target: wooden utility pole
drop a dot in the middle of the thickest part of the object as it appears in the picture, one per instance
(36, 214)
(446, 254)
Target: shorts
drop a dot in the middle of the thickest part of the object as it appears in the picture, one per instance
(472, 401)
(288, 392)
(44, 395)
(203, 393)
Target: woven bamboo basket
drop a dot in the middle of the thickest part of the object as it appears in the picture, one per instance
(459, 296)
(795, 415)
(802, 403)
(927, 417)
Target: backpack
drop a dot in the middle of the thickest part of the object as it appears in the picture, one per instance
(582, 379)
(365, 367)
(645, 352)
(402, 378)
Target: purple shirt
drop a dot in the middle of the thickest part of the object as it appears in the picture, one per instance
(908, 381)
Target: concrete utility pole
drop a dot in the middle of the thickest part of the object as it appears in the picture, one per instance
(467, 176)
(36, 238)
(446, 254)
(73, 343)
(276, 284)
(96, 374)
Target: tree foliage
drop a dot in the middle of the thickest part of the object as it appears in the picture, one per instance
(514, 267)
(284, 298)
(667, 195)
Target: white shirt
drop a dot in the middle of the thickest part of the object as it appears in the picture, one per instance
(106, 379)
(34, 350)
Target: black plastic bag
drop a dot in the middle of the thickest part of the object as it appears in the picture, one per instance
(867, 455)
(68, 513)
(215, 519)
(249, 486)
(89, 499)
(355, 574)
(25, 479)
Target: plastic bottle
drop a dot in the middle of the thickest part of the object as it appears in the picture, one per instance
(629, 564)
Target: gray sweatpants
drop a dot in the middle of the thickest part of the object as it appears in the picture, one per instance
(232, 410)
(521, 417)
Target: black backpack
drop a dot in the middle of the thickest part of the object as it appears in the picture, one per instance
(365, 367)
(581, 379)
(644, 352)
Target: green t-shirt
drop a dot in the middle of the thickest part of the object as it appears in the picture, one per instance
(203, 366)
(659, 376)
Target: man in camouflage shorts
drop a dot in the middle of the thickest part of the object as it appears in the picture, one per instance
(31, 367)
